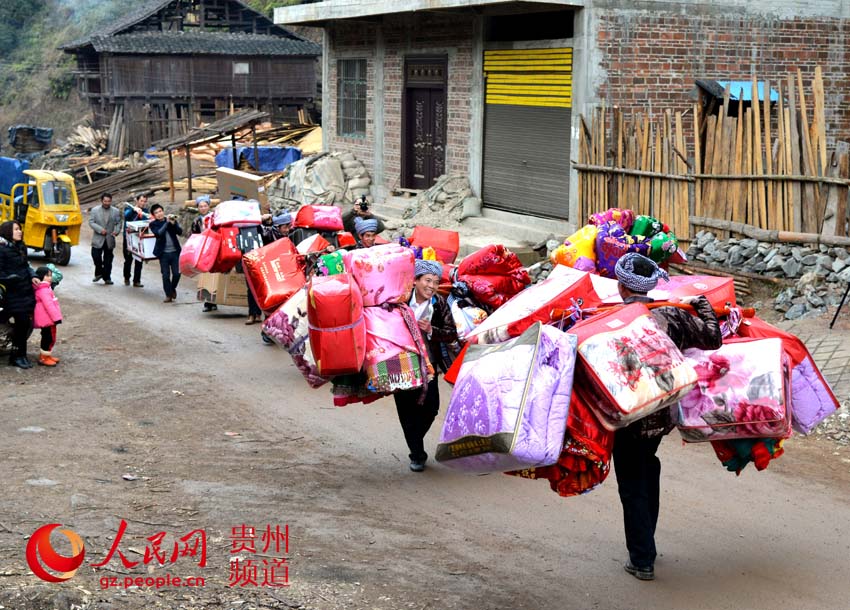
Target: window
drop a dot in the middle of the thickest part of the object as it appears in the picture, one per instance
(241, 68)
(55, 193)
(351, 100)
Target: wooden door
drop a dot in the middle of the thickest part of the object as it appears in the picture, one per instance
(426, 140)
(424, 115)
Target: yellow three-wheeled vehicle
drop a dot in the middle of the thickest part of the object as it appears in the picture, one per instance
(48, 210)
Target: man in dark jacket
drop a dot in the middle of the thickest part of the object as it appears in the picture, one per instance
(360, 210)
(638, 468)
(437, 326)
(167, 249)
(18, 279)
(132, 213)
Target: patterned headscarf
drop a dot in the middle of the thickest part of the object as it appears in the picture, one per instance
(422, 267)
(638, 282)
(201, 198)
(362, 226)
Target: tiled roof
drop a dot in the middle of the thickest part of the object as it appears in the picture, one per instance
(141, 13)
(205, 43)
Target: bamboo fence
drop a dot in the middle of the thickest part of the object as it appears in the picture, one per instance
(764, 164)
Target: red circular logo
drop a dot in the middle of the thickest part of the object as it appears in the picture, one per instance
(41, 554)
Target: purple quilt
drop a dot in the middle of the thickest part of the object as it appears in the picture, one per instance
(811, 401)
(509, 407)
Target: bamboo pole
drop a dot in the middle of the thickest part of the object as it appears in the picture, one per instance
(758, 168)
(771, 207)
(794, 150)
(697, 164)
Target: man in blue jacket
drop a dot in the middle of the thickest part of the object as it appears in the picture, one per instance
(167, 249)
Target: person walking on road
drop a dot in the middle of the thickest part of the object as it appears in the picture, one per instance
(202, 222)
(638, 468)
(437, 326)
(133, 213)
(167, 249)
(105, 221)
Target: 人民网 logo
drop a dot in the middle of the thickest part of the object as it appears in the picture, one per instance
(41, 554)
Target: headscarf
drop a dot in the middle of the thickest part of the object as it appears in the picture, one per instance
(201, 198)
(421, 267)
(283, 218)
(362, 226)
(637, 282)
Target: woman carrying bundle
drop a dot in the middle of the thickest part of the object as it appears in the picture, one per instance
(437, 326)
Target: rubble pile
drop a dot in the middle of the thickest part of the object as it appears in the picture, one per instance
(445, 204)
(326, 179)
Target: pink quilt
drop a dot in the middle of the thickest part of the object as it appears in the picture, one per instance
(383, 273)
(743, 392)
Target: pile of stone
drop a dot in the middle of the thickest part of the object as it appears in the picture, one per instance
(790, 261)
(810, 296)
(325, 179)
(837, 427)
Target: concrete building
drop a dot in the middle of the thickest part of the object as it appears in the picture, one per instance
(494, 88)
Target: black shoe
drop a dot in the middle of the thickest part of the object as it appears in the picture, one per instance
(640, 573)
(97, 278)
(210, 307)
(108, 282)
(174, 294)
(138, 285)
(417, 466)
(126, 281)
(21, 362)
(266, 339)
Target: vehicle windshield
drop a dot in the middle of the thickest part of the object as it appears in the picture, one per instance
(55, 193)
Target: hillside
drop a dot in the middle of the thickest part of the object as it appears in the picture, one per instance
(39, 87)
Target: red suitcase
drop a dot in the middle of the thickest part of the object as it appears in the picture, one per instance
(445, 243)
(229, 252)
(273, 273)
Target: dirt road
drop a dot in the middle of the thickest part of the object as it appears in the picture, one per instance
(219, 431)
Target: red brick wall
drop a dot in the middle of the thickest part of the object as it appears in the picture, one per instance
(654, 58)
(421, 34)
(351, 42)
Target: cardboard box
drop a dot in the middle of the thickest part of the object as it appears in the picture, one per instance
(140, 242)
(223, 289)
(234, 184)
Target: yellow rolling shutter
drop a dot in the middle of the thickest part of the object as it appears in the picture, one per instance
(530, 77)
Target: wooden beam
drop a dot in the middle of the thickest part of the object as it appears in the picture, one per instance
(189, 171)
(768, 235)
(171, 174)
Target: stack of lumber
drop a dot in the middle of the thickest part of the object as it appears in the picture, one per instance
(88, 139)
(267, 135)
(122, 184)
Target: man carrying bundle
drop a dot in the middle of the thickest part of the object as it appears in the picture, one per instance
(437, 326)
(638, 468)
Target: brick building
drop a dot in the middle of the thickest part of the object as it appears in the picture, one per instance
(488, 88)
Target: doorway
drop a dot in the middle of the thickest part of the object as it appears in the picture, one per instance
(424, 112)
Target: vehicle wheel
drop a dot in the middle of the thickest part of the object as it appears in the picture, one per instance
(61, 253)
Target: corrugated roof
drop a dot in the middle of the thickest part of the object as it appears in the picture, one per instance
(141, 13)
(204, 43)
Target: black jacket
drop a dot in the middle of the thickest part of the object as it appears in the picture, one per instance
(443, 330)
(16, 275)
(161, 228)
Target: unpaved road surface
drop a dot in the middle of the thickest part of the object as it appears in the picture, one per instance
(216, 430)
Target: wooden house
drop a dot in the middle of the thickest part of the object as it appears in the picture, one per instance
(170, 64)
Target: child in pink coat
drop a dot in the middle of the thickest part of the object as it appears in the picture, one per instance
(47, 315)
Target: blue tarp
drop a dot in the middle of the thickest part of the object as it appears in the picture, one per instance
(745, 89)
(272, 158)
(12, 173)
(42, 135)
